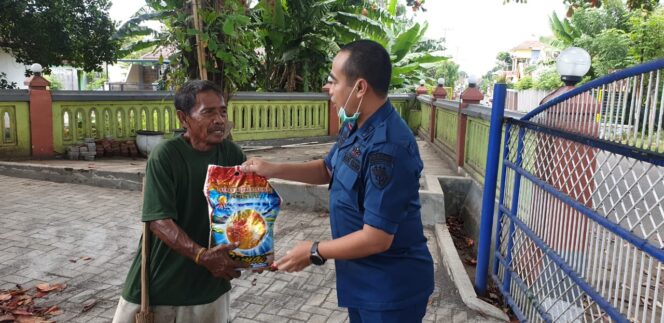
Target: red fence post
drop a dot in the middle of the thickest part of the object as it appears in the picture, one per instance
(41, 115)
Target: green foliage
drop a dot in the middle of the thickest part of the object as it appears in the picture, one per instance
(96, 81)
(647, 36)
(411, 54)
(504, 61)
(280, 45)
(55, 83)
(609, 50)
(524, 83)
(548, 80)
(4, 84)
(58, 32)
(592, 21)
(648, 5)
(487, 81)
(614, 37)
(447, 70)
(298, 38)
(137, 39)
(563, 30)
(227, 37)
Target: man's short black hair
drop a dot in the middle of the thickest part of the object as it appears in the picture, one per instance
(185, 98)
(368, 59)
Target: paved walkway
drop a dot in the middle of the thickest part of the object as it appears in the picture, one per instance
(47, 231)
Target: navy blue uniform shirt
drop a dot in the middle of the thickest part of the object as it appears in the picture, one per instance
(375, 181)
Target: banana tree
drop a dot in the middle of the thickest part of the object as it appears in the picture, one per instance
(298, 44)
(402, 38)
(226, 36)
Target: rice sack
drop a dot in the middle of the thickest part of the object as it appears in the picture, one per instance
(243, 208)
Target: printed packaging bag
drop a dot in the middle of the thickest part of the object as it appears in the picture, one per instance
(243, 208)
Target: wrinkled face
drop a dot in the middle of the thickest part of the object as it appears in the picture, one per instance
(340, 88)
(207, 120)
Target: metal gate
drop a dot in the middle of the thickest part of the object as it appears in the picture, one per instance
(580, 225)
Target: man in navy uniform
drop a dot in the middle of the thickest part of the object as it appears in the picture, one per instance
(383, 266)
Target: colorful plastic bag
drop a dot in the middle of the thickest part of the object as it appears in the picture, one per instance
(243, 208)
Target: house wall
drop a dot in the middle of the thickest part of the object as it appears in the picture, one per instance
(15, 71)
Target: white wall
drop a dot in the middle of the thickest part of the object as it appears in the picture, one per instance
(524, 100)
(15, 71)
(66, 76)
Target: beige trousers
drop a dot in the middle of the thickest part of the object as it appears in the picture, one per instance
(215, 312)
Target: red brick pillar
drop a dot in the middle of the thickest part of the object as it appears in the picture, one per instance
(471, 95)
(333, 116)
(440, 93)
(41, 116)
(421, 90)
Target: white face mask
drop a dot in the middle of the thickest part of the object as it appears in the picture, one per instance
(342, 110)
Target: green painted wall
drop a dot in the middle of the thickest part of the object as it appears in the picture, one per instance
(414, 119)
(446, 127)
(258, 120)
(73, 121)
(15, 125)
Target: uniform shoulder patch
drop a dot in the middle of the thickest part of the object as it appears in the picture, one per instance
(381, 167)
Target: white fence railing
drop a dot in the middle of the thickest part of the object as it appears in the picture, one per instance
(524, 100)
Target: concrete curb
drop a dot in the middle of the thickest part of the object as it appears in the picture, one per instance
(458, 274)
(59, 174)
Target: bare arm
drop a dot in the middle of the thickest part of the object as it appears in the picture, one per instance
(311, 172)
(216, 260)
(359, 244)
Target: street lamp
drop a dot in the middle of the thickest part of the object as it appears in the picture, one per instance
(572, 64)
(472, 80)
(36, 68)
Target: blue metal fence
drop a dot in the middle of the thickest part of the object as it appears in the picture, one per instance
(580, 223)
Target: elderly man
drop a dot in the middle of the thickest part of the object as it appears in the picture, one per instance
(187, 281)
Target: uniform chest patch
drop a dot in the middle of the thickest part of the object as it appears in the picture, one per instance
(352, 161)
(356, 151)
(381, 167)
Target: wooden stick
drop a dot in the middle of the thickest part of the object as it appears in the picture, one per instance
(200, 50)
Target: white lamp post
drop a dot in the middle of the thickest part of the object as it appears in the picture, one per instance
(36, 68)
(572, 64)
(472, 80)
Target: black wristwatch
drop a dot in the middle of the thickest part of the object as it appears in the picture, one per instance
(315, 257)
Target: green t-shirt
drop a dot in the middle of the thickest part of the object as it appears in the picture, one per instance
(174, 179)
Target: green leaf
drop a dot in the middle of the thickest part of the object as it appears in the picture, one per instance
(398, 70)
(212, 45)
(392, 7)
(368, 27)
(229, 28)
(137, 46)
(279, 16)
(404, 42)
(423, 58)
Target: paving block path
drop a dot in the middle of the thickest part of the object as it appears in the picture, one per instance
(47, 231)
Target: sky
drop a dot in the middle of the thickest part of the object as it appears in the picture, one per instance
(475, 30)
